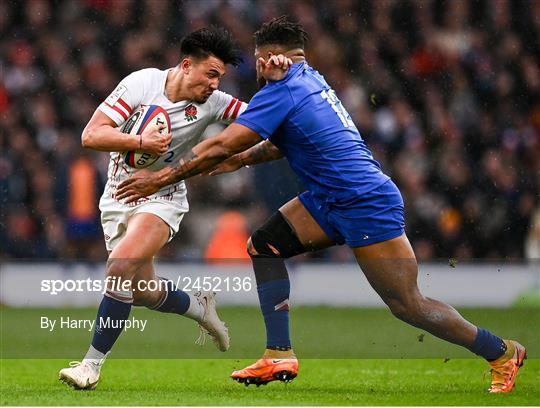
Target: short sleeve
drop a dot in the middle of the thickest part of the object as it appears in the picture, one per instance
(125, 98)
(226, 108)
(267, 110)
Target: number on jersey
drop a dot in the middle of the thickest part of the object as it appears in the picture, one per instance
(335, 103)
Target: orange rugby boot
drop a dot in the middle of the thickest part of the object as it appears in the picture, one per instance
(504, 370)
(265, 370)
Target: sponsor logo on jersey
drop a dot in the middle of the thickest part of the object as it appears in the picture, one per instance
(116, 94)
(191, 113)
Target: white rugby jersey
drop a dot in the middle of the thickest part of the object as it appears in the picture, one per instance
(189, 120)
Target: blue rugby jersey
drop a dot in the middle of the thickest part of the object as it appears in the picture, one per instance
(303, 117)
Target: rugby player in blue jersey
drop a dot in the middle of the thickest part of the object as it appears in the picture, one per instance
(349, 200)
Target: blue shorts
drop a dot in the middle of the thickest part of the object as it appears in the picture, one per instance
(364, 220)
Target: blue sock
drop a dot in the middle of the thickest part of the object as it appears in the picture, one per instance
(487, 345)
(111, 317)
(274, 300)
(175, 301)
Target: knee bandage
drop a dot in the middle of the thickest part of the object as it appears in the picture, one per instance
(275, 241)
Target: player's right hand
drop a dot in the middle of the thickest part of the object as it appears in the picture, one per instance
(275, 68)
(231, 164)
(154, 142)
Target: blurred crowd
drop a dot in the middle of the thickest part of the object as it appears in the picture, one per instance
(445, 93)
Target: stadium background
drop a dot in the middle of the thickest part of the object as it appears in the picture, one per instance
(446, 94)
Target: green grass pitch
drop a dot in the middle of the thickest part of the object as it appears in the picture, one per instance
(347, 357)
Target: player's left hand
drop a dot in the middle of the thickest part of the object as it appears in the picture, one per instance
(140, 185)
(275, 68)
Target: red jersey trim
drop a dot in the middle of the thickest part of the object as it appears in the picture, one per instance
(236, 109)
(231, 104)
(117, 109)
(125, 105)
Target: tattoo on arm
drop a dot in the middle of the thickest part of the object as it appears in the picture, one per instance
(262, 152)
(186, 167)
(207, 154)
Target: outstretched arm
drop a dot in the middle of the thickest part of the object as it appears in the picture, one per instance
(204, 156)
(260, 153)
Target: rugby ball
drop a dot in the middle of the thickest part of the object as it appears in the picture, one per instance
(135, 125)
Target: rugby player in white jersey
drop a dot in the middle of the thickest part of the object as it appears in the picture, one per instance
(135, 233)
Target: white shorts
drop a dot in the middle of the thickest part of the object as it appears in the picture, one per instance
(115, 215)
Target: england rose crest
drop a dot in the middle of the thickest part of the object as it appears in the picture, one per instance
(191, 113)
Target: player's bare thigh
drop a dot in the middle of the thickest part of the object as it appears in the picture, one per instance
(132, 258)
(146, 234)
(390, 267)
(307, 230)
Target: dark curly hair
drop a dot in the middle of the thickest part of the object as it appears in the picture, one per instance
(281, 31)
(209, 41)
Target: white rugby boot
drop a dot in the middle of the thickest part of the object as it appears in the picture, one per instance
(210, 322)
(80, 375)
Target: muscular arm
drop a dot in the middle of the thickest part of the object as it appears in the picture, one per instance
(260, 153)
(204, 156)
(207, 154)
(101, 134)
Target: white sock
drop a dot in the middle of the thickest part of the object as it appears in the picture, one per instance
(195, 310)
(95, 358)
